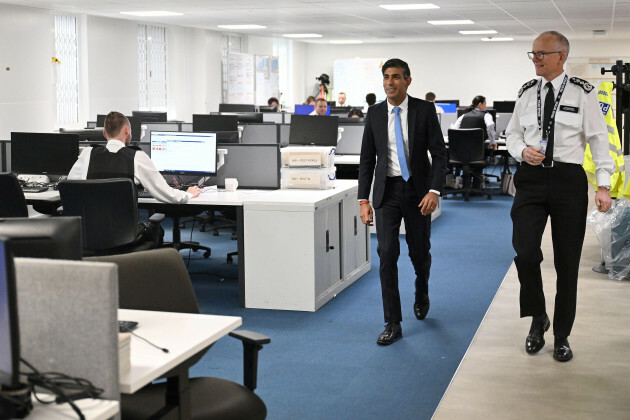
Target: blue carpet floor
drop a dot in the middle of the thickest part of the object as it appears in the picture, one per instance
(326, 364)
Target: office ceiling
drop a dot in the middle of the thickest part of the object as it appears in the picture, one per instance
(364, 20)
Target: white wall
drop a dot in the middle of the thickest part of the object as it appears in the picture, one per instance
(453, 70)
(26, 90)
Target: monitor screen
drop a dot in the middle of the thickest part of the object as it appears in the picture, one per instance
(448, 107)
(9, 330)
(237, 108)
(314, 130)
(449, 101)
(504, 106)
(49, 237)
(43, 153)
(308, 109)
(204, 122)
(90, 134)
(250, 117)
(267, 108)
(184, 153)
(100, 120)
(150, 116)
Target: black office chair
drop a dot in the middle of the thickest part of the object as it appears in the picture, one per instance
(466, 151)
(157, 280)
(12, 201)
(177, 243)
(109, 212)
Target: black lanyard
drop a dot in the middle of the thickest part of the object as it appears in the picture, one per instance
(555, 107)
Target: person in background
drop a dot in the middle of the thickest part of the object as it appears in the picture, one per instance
(476, 116)
(355, 113)
(321, 107)
(341, 99)
(273, 101)
(370, 98)
(430, 96)
(310, 100)
(564, 112)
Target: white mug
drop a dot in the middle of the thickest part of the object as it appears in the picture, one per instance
(231, 184)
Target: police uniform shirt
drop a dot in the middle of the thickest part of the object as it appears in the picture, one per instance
(144, 173)
(487, 118)
(578, 120)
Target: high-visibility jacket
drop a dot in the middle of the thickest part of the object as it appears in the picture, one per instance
(618, 179)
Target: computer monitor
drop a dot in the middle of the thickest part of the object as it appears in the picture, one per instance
(100, 120)
(9, 325)
(250, 117)
(307, 110)
(267, 108)
(492, 112)
(504, 106)
(314, 130)
(450, 101)
(179, 153)
(44, 237)
(448, 107)
(88, 134)
(150, 116)
(136, 128)
(343, 110)
(351, 120)
(212, 123)
(237, 108)
(43, 153)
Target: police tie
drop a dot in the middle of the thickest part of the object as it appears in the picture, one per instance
(400, 145)
(549, 103)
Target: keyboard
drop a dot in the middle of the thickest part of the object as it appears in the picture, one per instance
(144, 194)
(127, 326)
(34, 189)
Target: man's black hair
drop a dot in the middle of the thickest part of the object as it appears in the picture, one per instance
(399, 64)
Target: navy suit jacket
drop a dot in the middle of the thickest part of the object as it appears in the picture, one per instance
(424, 134)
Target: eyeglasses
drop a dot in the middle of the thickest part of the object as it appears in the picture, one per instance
(540, 54)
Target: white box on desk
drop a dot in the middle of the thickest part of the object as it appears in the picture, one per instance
(308, 156)
(309, 178)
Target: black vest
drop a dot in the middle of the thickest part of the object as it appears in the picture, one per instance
(475, 119)
(105, 164)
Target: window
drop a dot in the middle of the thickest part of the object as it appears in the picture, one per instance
(229, 43)
(66, 70)
(152, 68)
(283, 48)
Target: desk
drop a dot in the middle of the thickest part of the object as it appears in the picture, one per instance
(92, 409)
(297, 248)
(184, 335)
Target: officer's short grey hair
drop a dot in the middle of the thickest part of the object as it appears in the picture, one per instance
(561, 39)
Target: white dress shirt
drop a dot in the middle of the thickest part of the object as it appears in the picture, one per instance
(144, 173)
(579, 120)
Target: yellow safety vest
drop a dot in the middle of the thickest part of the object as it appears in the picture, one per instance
(617, 180)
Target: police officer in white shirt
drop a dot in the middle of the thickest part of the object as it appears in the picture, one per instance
(116, 160)
(554, 118)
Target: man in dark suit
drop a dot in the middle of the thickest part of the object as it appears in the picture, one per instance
(398, 134)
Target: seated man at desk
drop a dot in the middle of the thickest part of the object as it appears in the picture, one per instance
(321, 106)
(118, 160)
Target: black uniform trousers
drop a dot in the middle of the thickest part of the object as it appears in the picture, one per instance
(559, 192)
(400, 201)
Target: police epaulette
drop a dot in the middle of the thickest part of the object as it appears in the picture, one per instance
(582, 83)
(527, 86)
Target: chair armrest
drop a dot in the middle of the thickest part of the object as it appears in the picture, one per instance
(252, 344)
(156, 218)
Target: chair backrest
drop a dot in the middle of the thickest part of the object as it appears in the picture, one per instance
(466, 145)
(108, 208)
(12, 202)
(67, 312)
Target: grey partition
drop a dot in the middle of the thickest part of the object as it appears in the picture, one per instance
(187, 127)
(274, 117)
(157, 126)
(287, 118)
(260, 134)
(351, 137)
(285, 132)
(447, 120)
(503, 119)
(68, 312)
(255, 166)
(5, 155)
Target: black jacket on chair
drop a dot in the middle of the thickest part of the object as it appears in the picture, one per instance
(424, 134)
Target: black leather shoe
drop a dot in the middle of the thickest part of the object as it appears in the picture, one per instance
(536, 340)
(561, 350)
(421, 309)
(393, 331)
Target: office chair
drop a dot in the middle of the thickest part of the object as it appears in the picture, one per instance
(109, 212)
(177, 243)
(12, 201)
(466, 151)
(157, 280)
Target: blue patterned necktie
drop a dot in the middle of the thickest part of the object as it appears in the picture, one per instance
(400, 145)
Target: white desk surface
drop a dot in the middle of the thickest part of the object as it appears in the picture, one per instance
(91, 409)
(184, 335)
(347, 159)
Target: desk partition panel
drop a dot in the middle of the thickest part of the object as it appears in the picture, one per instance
(260, 134)
(255, 166)
(447, 120)
(351, 137)
(274, 117)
